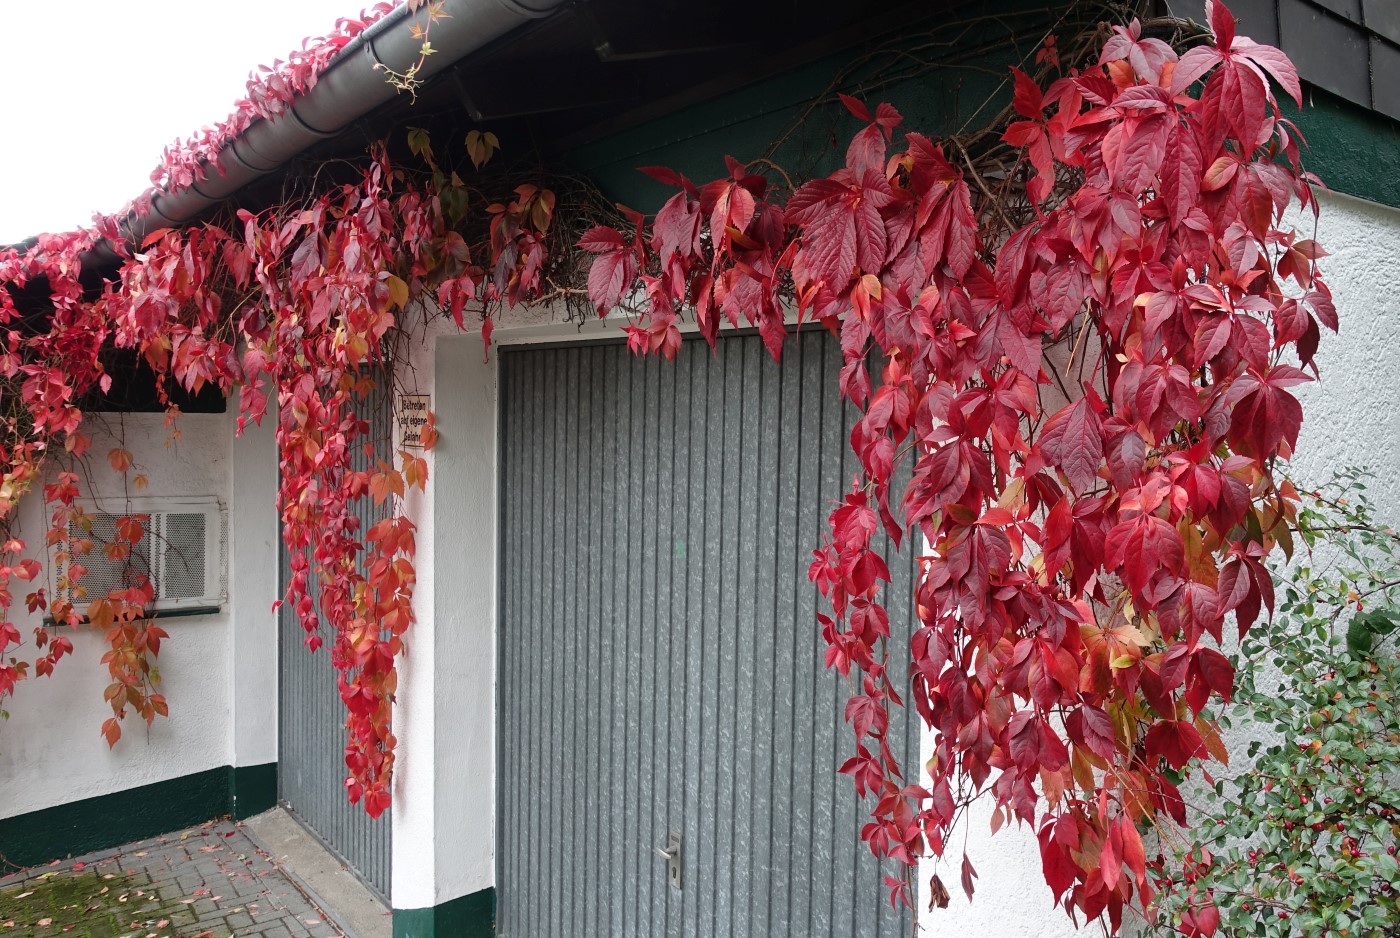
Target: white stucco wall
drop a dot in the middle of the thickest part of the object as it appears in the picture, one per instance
(253, 541)
(1352, 415)
(51, 748)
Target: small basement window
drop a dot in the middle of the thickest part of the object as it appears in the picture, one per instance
(181, 553)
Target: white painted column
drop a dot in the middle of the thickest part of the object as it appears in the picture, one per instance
(253, 537)
(444, 793)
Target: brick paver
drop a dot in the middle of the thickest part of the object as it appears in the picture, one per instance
(210, 881)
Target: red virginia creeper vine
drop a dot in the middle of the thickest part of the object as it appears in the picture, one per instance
(301, 303)
(1092, 405)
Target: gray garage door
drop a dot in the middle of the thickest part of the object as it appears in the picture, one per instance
(660, 666)
(311, 722)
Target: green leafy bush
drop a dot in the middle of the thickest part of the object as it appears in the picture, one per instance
(1298, 838)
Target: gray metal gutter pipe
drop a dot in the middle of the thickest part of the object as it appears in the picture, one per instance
(349, 88)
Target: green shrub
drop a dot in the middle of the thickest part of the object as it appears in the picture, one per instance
(1298, 837)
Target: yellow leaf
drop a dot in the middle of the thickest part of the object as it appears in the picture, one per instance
(1130, 635)
(398, 291)
(481, 147)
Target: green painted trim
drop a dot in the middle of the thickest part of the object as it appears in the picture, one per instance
(1351, 149)
(252, 789)
(134, 814)
(471, 916)
(744, 123)
(114, 819)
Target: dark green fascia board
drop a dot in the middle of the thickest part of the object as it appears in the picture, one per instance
(135, 814)
(744, 123)
(1350, 148)
(470, 916)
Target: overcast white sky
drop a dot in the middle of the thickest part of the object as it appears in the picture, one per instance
(95, 89)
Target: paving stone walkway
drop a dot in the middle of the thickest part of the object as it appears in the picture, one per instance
(211, 881)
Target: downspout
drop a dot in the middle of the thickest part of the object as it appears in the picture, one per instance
(349, 88)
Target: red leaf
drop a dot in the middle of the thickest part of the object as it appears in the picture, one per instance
(855, 106)
(1222, 23)
(1028, 100)
(601, 239)
(1110, 858)
(841, 230)
(1220, 173)
(676, 232)
(1267, 417)
(1207, 920)
(609, 278)
(1144, 547)
(1195, 63)
(1181, 174)
(1073, 441)
(1092, 727)
(968, 875)
(1134, 856)
(1217, 671)
(1147, 56)
(1275, 63)
(669, 177)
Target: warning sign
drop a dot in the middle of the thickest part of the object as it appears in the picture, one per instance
(412, 415)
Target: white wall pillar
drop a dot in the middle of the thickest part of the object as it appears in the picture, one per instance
(253, 538)
(444, 793)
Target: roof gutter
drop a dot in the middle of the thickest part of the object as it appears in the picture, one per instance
(348, 89)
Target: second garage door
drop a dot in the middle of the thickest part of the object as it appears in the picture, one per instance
(660, 667)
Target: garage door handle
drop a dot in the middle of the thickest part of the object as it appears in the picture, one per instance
(671, 853)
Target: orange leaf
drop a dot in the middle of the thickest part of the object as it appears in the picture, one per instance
(415, 470)
(398, 291)
(429, 434)
(120, 459)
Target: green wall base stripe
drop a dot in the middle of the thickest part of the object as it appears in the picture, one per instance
(135, 814)
(472, 916)
(252, 789)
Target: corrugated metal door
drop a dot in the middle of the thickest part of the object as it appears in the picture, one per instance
(660, 665)
(311, 721)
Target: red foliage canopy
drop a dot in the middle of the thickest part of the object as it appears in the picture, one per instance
(1090, 410)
